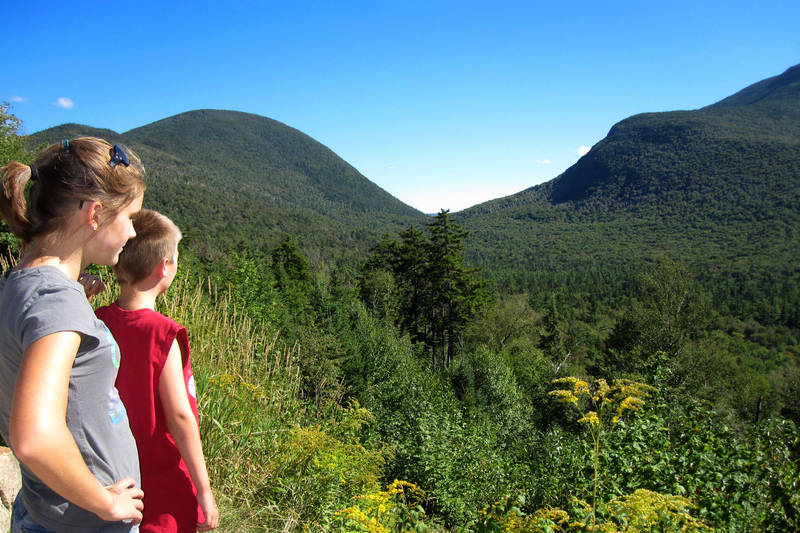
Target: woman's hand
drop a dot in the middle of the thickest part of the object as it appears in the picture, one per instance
(127, 502)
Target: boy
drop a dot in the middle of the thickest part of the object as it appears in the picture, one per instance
(156, 384)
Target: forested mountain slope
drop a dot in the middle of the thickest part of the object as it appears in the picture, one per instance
(718, 188)
(229, 177)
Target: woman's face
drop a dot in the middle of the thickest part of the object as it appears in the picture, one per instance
(113, 233)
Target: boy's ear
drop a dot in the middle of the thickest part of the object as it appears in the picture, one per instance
(162, 267)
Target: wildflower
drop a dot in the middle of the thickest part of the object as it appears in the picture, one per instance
(602, 390)
(581, 387)
(566, 380)
(629, 403)
(564, 396)
(590, 418)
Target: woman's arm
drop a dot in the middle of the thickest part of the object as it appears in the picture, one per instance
(183, 427)
(41, 440)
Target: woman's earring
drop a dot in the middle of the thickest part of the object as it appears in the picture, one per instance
(94, 226)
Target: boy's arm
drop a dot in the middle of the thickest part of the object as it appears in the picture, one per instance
(183, 427)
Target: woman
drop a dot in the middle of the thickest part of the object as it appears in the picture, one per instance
(59, 409)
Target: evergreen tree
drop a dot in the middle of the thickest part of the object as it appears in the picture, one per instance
(292, 272)
(456, 292)
(410, 267)
(437, 295)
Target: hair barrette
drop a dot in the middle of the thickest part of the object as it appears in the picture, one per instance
(118, 156)
(65, 145)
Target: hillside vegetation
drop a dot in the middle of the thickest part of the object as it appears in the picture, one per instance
(717, 188)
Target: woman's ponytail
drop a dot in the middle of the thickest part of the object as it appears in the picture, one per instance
(13, 207)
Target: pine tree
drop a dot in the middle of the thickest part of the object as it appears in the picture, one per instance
(437, 295)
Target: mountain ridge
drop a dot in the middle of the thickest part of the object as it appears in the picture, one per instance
(717, 188)
(672, 127)
(768, 88)
(246, 178)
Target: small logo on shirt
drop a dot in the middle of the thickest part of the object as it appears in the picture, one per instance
(116, 409)
(115, 358)
(190, 387)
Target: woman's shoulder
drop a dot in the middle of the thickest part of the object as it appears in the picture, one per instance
(28, 286)
(44, 300)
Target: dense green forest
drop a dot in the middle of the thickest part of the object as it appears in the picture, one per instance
(716, 188)
(626, 358)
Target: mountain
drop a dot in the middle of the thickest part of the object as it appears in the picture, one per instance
(228, 177)
(717, 188)
(781, 88)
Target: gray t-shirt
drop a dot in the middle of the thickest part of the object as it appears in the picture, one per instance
(35, 302)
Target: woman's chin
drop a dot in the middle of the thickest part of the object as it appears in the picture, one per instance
(114, 260)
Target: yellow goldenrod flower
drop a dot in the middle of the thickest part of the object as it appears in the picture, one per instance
(581, 387)
(569, 380)
(564, 396)
(590, 418)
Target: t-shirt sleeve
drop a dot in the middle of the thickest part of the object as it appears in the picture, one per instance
(56, 308)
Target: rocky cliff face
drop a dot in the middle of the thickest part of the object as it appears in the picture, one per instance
(10, 483)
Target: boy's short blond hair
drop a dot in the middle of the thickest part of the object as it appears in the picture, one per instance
(156, 238)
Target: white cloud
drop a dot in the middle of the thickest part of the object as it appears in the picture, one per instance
(543, 161)
(582, 150)
(64, 102)
(17, 98)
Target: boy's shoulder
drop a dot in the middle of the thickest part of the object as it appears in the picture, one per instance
(167, 324)
(144, 315)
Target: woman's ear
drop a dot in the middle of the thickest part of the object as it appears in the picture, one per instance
(93, 210)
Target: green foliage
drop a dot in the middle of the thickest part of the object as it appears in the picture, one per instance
(292, 272)
(437, 295)
(12, 146)
(670, 312)
(736, 479)
(280, 441)
(486, 384)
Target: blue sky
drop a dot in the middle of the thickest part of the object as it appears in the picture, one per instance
(443, 103)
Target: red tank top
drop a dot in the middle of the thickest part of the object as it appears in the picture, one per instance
(145, 338)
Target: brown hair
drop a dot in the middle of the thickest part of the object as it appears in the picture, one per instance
(64, 175)
(156, 238)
